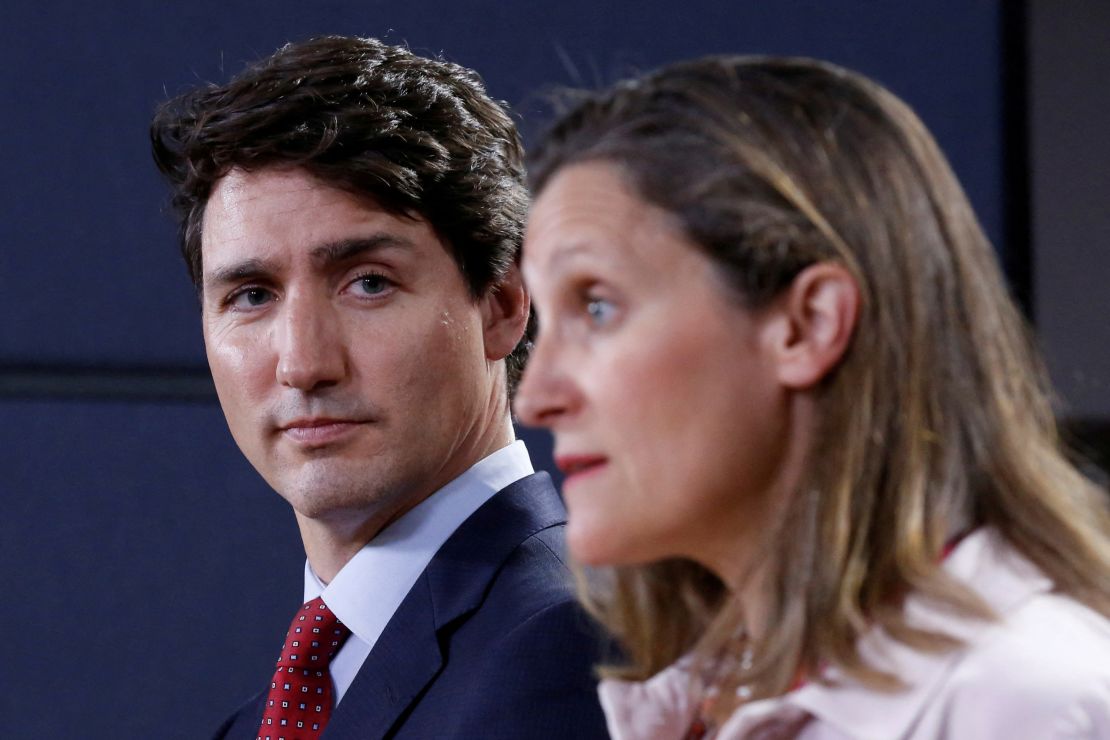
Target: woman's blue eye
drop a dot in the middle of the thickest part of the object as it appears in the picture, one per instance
(600, 311)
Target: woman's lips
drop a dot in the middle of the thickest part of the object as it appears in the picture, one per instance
(579, 466)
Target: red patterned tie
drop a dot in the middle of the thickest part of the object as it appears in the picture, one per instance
(300, 697)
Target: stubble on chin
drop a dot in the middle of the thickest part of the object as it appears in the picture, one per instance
(340, 498)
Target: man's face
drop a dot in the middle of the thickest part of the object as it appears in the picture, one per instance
(349, 357)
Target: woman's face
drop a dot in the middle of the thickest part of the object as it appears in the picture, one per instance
(669, 423)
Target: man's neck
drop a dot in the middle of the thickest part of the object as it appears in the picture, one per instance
(331, 540)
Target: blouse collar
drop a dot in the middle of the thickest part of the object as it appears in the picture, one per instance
(662, 706)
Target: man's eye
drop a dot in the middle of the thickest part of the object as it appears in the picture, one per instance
(372, 284)
(251, 298)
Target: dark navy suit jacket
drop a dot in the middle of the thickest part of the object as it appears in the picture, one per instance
(489, 643)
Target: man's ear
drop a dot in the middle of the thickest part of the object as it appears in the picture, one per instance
(505, 308)
(813, 324)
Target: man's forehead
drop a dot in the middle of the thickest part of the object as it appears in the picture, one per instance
(241, 196)
(274, 203)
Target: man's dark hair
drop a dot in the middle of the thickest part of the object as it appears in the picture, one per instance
(418, 136)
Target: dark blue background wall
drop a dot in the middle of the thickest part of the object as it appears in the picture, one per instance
(147, 572)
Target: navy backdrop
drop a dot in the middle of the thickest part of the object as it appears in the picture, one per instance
(148, 573)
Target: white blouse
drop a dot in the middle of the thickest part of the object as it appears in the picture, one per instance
(1041, 671)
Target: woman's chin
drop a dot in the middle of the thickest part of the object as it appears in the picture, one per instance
(598, 544)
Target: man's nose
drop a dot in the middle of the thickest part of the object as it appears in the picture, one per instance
(310, 345)
(546, 393)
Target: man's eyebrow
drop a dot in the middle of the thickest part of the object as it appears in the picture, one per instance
(345, 249)
(324, 255)
(249, 269)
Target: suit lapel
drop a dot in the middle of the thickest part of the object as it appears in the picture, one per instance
(407, 656)
(463, 568)
(404, 659)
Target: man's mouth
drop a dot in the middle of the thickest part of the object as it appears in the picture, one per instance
(318, 431)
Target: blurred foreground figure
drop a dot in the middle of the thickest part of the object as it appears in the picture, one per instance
(351, 216)
(802, 422)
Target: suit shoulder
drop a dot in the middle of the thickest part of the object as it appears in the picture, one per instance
(546, 546)
(536, 574)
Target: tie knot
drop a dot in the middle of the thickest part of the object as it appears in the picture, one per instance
(314, 638)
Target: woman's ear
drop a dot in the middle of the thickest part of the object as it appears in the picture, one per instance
(505, 310)
(815, 320)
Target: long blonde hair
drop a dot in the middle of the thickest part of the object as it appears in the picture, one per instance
(937, 419)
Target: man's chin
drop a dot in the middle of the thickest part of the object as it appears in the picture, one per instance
(324, 504)
(329, 499)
